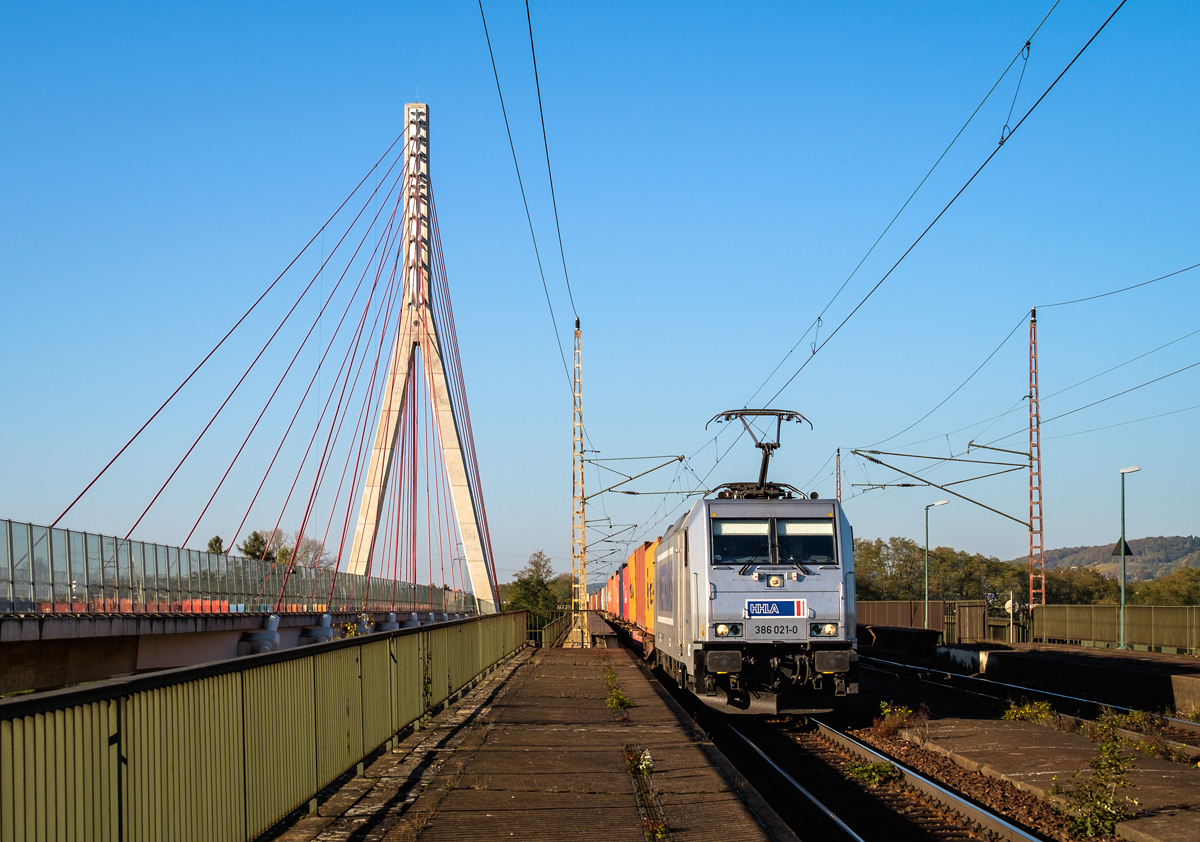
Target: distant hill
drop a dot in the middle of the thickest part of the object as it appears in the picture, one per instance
(1152, 557)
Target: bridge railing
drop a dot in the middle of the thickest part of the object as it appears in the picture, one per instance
(60, 571)
(1157, 628)
(226, 750)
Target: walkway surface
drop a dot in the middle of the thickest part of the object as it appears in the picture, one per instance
(1031, 757)
(534, 753)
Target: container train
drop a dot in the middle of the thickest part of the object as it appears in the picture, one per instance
(747, 600)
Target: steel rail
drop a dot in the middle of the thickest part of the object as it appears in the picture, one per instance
(936, 793)
(1182, 724)
(796, 785)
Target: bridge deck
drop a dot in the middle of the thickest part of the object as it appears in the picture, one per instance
(537, 755)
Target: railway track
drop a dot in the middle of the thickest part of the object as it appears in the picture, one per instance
(819, 801)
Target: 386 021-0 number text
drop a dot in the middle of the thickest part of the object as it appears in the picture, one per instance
(782, 629)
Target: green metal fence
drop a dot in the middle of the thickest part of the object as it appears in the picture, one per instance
(554, 631)
(1155, 628)
(964, 621)
(542, 628)
(223, 751)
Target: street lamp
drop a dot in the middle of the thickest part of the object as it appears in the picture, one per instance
(1130, 470)
(927, 508)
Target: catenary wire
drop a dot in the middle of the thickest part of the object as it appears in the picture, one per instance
(959, 387)
(1125, 423)
(961, 190)
(1103, 400)
(549, 173)
(888, 227)
(1123, 289)
(525, 201)
(1010, 410)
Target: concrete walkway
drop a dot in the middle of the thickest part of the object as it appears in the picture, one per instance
(553, 764)
(534, 753)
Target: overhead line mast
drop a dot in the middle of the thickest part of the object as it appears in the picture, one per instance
(839, 475)
(1037, 561)
(580, 637)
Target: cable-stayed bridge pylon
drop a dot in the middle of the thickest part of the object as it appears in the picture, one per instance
(419, 359)
(391, 439)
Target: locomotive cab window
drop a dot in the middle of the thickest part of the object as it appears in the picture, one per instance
(741, 541)
(796, 541)
(805, 541)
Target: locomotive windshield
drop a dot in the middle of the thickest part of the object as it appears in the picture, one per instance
(805, 541)
(741, 541)
(773, 541)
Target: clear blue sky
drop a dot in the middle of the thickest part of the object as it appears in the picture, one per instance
(720, 172)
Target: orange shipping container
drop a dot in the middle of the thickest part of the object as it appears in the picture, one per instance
(637, 562)
(648, 586)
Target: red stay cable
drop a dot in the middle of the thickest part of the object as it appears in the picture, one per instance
(347, 359)
(249, 368)
(237, 324)
(367, 411)
(303, 342)
(338, 411)
(340, 416)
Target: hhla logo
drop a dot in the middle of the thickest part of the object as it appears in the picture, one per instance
(775, 608)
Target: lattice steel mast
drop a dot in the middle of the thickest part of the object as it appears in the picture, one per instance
(1037, 561)
(839, 475)
(580, 638)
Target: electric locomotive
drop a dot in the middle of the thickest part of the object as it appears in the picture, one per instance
(753, 598)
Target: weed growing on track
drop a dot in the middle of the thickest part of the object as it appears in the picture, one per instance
(872, 774)
(641, 768)
(616, 700)
(896, 717)
(640, 763)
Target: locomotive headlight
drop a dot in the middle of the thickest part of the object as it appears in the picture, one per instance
(823, 630)
(728, 629)
(775, 582)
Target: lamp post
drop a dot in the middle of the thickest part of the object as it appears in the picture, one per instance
(927, 508)
(1124, 471)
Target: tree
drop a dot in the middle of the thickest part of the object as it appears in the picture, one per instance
(531, 589)
(538, 567)
(959, 575)
(216, 545)
(255, 546)
(309, 553)
(894, 569)
(1081, 586)
(560, 586)
(1181, 587)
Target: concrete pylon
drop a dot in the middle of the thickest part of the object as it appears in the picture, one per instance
(417, 328)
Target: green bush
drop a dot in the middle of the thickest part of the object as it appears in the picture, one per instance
(1095, 809)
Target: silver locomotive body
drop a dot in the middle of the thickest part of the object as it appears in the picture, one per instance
(754, 604)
